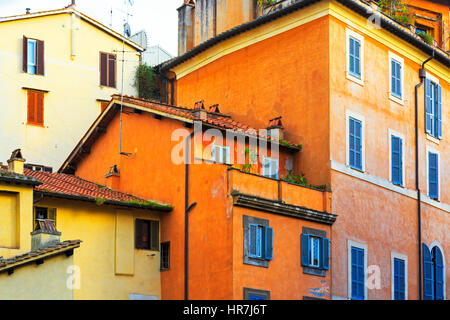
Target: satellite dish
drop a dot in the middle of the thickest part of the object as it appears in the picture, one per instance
(127, 30)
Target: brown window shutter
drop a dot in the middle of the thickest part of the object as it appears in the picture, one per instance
(104, 105)
(25, 54)
(112, 70)
(31, 110)
(103, 69)
(40, 108)
(155, 236)
(40, 57)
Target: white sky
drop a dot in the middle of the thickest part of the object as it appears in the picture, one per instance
(158, 17)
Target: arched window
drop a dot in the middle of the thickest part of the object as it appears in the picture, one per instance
(433, 273)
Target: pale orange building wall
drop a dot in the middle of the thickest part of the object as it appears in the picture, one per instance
(280, 76)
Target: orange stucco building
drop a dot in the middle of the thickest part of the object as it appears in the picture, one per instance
(250, 234)
(343, 78)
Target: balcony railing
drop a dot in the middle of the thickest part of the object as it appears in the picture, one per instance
(278, 190)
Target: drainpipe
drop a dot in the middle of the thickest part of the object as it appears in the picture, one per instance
(422, 76)
(187, 209)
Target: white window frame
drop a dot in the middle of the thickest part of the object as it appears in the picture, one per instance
(35, 56)
(271, 160)
(350, 114)
(222, 149)
(350, 33)
(402, 137)
(364, 247)
(437, 244)
(393, 56)
(311, 239)
(432, 150)
(395, 255)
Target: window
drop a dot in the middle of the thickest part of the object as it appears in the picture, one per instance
(399, 279)
(396, 78)
(165, 256)
(33, 56)
(314, 250)
(433, 108)
(355, 57)
(221, 154)
(45, 219)
(357, 274)
(147, 235)
(396, 165)
(260, 240)
(270, 168)
(433, 273)
(255, 294)
(35, 107)
(355, 140)
(108, 70)
(433, 175)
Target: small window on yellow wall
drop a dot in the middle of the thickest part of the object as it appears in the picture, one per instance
(44, 219)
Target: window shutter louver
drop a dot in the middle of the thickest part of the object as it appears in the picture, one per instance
(305, 250)
(154, 236)
(326, 254)
(428, 107)
(25, 55)
(103, 69)
(438, 274)
(396, 158)
(112, 70)
(40, 57)
(428, 287)
(268, 243)
(40, 108)
(433, 175)
(439, 111)
(31, 107)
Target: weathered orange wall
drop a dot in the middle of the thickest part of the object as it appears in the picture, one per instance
(280, 76)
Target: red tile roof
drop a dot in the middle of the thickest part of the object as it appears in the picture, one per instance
(70, 186)
(31, 256)
(213, 118)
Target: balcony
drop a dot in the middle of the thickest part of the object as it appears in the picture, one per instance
(261, 193)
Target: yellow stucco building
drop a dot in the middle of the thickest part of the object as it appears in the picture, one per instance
(57, 68)
(120, 255)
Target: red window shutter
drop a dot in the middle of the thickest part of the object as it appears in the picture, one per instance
(112, 70)
(40, 108)
(40, 57)
(103, 69)
(25, 54)
(31, 107)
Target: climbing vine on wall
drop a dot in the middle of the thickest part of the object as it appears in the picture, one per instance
(398, 10)
(146, 82)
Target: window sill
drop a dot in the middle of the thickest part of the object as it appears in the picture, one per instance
(433, 139)
(314, 271)
(35, 125)
(355, 169)
(396, 99)
(107, 87)
(356, 80)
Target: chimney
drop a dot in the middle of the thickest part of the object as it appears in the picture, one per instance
(214, 109)
(199, 110)
(276, 129)
(113, 178)
(16, 162)
(186, 15)
(45, 235)
(27, 10)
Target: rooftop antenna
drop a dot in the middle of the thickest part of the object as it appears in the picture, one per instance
(126, 30)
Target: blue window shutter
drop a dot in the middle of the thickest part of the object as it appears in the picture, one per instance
(438, 274)
(357, 274)
(352, 142)
(268, 243)
(433, 174)
(305, 250)
(396, 160)
(439, 111)
(255, 297)
(357, 58)
(428, 286)
(428, 107)
(352, 55)
(355, 144)
(253, 240)
(325, 254)
(399, 279)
